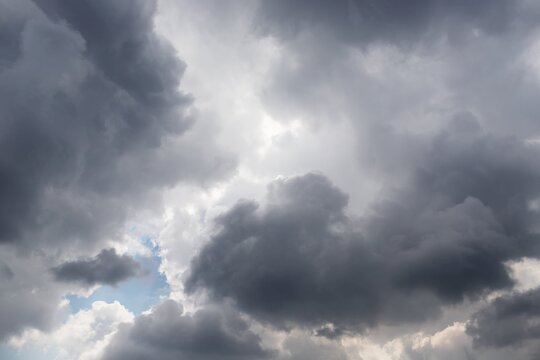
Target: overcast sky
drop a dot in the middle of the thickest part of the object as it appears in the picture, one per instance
(269, 179)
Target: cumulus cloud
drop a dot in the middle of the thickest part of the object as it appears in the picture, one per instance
(167, 333)
(84, 334)
(422, 115)
(509, 320)
(442, 238)
(92, 115)
(94, 128)
(212, 333)
(105, 268)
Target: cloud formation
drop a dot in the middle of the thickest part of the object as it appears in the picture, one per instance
(94, 128)
(166, 333)
(402, 23)
(442, 238)
(414, 122)
(510, 320)
(89, 94)
(105, 268)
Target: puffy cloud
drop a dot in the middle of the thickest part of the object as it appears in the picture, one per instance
(451, 343)
(510, 320)
(94, 128)
(443, 237)
(84, 334)
(167, 333)
(92, 117)
(105, 268)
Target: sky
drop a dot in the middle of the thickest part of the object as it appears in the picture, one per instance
(269, 179)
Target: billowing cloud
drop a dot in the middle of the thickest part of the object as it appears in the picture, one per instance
(84, 334)
(364, 21)
(422, 116)
(167, 333)
(92, 113)
(442, 238)
(510, 320)
(107, 267)
(94, 127)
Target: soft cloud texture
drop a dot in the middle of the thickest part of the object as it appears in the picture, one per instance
(100, 134)
(106, 268)
(167, 333)
(93, 128)
(446, 237)
(400, 143)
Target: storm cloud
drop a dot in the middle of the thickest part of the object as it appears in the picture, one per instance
(391, 21)
(166, 333)
(105, 268)
(510, 320)
(91, 117)
(398, 140)
(442, 238)
(93, 128)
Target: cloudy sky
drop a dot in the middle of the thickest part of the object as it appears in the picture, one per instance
(270, 179)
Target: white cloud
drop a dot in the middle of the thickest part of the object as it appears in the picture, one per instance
(83, 336)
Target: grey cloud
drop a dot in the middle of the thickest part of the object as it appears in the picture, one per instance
(93, 128)
(379, 86)
(166, 333)
(509, 320)
(6, 272)
(93, 121)
(28, 297)
(105, 268)
(444, 236)
(399, 22)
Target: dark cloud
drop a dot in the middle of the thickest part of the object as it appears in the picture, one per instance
(91, 114)
(6, 272)
(105, 268)
(166, 333)
(93, 127)
(28, 297)
(510, 320)
(444, 236)
(401, 22)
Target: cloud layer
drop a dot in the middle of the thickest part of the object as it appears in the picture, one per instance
(350, 179)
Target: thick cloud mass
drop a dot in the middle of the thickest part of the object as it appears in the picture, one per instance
(106, 268)
(440, 239)
(400, 22)
(92, 126)
(424, 111)
(209, 334)
(508, 321)
(90, 110)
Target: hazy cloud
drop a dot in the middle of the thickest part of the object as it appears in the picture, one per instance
(93, 126)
